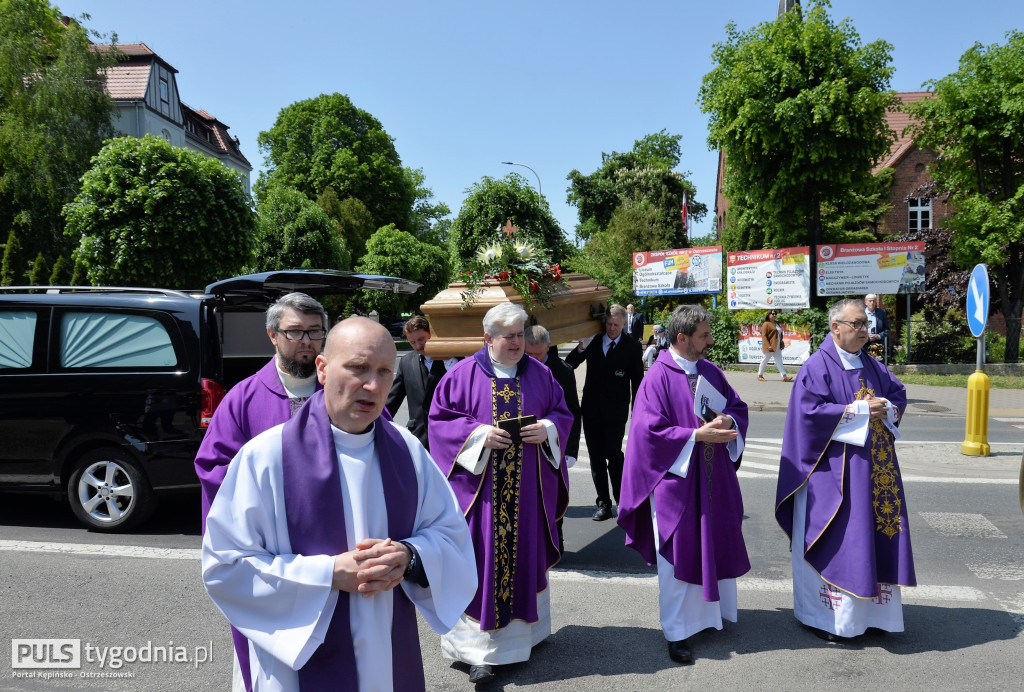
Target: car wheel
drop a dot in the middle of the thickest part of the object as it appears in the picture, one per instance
(108, 492)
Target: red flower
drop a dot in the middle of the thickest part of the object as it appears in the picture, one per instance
(534, 286)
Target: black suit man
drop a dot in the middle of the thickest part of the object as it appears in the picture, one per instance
(614, 371)
(416, 378)
(634, 324)
(879, 331)
(538, 345)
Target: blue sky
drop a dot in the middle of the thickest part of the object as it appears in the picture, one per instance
(463, 86)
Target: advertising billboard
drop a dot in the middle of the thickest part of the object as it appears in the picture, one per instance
(771, 278)
(870, 268)
(678, 272)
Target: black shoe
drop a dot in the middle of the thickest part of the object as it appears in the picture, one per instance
(679, 652)
(603, 512)
(827, 636)
(481, 675)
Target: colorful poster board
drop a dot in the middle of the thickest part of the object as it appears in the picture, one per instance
(870, 268)
(678, 272)
(769, 279)
(797, 340)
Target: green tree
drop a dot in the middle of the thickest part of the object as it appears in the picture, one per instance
(294, 232)
(489, 204)
(150, 214)
(54, 116)
(426, 214)
(392, 252)
(976, 122)
(39, 272)
(79, 275)
(353, 221)
(13, 269)
(327, 141)
(797, 105)
(608, 255)
(60, 276)
(645, 177)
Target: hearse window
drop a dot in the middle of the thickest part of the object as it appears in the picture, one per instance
(17, 334)
(113, 340)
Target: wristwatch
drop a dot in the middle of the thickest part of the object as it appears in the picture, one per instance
(413, 559)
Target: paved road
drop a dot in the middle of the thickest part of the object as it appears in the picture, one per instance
(964, 622)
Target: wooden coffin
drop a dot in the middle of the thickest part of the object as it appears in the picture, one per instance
(577, 312)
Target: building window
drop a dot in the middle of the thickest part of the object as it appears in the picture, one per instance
(190, 126)
(919, 211)
(163, 90)
(166, 134)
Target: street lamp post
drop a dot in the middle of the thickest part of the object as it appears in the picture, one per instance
(540, 192)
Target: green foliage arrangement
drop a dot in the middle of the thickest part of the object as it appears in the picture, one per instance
(517, 261)
(489, 204)
(151, 214)
(39, 272)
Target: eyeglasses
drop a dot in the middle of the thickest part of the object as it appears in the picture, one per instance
(297, 334)
(856, 324)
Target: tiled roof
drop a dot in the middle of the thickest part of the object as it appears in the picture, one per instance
(219, 139)
(898, 121)
(128, 81)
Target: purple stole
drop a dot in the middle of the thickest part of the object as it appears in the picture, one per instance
(316, 526)
(506, 470)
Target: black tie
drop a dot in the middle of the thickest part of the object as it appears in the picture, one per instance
(611, 347)
(424, 373)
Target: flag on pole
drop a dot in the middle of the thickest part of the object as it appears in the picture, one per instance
(685, 212)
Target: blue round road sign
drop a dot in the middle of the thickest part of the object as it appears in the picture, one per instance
(977, 300)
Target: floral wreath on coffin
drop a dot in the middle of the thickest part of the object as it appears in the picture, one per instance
(520, 263)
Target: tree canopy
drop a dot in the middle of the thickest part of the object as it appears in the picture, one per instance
(150, 214)
(327, 141)
(797, 104)
(976, 122)
(489, 204)
(392, 252)
(293, 232)
(54, 116)
(644, 177)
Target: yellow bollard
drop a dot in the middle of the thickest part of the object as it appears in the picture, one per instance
(976, 441)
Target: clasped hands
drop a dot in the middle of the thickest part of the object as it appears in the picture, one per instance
(877, 406)
(719, 431)
(534, 434)
(376, 565)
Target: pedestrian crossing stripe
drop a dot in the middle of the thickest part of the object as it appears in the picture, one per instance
(1015, 422)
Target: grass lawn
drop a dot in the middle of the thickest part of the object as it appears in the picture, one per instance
(936, 380)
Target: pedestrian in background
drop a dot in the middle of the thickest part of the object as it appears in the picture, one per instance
(771, 346)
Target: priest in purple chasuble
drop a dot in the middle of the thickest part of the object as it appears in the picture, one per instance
(681, 506)
(331, 530)
(840, 496)
(512, 492)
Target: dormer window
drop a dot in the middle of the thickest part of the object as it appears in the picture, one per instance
(164, 90)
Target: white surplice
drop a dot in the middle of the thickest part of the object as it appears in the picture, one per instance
(283, 602)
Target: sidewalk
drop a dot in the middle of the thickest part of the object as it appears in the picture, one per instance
(922, 399)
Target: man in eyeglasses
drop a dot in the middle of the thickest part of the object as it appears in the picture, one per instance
(840, 494)
(296, 325)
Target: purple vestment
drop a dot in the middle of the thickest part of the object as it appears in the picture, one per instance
(255, 404)
(513, 506)
(315, 510)
(857, 534)
(699, 517)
